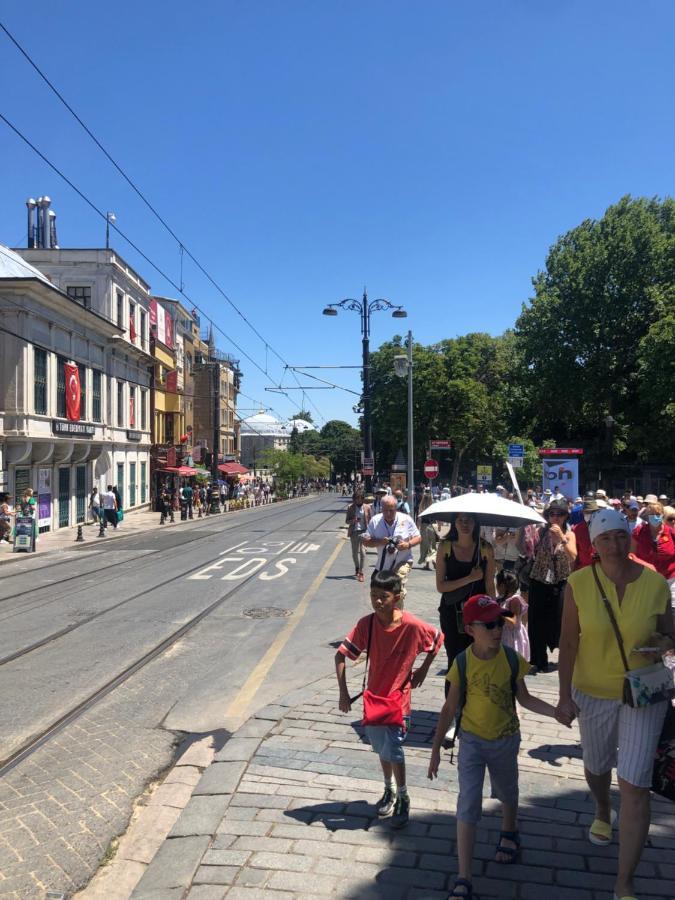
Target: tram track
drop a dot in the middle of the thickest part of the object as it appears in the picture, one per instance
(33, 743)
(69, 629)
(151, 556)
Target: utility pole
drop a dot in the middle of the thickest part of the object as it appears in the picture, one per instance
(367, 430)
(215, 472)
(411, 465)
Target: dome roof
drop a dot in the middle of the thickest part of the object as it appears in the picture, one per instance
(13, 266)
(262, 423)
(301, 425)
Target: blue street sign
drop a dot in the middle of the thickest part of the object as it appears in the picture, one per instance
(516, 450)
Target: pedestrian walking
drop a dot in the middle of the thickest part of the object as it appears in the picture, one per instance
(514, 633)
(95, 505)
(654, 542)
(585, 552)
(188, 498)
(109, 503)
(484, 682)
(164, 505)
(358, 518)
(617, 618)
(392, 640)
(554, 557)
(464, 566)
(5, 523)
(394, 534)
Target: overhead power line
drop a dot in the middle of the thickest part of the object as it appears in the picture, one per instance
(182, 247)
(141, 253)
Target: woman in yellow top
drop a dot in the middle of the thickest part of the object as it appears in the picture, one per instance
(591, 676)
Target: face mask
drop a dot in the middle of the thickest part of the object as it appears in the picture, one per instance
(655, 520)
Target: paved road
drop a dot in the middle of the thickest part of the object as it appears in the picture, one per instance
(72, 624)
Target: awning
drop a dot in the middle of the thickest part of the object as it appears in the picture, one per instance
(179, 470)
(232, 468)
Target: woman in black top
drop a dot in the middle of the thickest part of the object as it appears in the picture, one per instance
(465, 565)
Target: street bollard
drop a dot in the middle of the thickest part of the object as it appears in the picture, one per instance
(172, 520)
(101, 528)
(80, 537)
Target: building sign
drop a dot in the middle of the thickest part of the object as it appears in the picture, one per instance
(24, 534)
(562, 477)
(161, 324)
(440, 445)
(133, 435)
(44, 497)
(561, 451)
(72, 429)
(484, 474)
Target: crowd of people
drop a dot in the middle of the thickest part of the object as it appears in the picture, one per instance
(595, 580)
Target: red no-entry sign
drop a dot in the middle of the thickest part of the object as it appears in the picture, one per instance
(431, 468)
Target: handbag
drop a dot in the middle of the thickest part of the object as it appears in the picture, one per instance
(663, 778)
(641, 687)
(377, 709)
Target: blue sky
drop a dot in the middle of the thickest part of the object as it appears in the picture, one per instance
(430, 150)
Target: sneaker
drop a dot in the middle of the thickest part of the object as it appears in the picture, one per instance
(385, 805)
(401, 812)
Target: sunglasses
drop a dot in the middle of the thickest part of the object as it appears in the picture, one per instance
(490, 626)
(558, 513)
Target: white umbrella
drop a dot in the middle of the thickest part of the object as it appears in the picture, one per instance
(488, 509)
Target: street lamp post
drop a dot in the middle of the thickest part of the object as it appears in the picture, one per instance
(403, 365)
(109, 217)
(365, 307)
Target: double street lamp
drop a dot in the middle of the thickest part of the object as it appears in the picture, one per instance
(403, 365)
(364, 308)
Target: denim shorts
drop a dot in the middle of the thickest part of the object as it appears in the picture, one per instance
(500, 757)
(387, 740)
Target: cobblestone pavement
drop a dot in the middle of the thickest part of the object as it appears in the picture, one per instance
(286, 811)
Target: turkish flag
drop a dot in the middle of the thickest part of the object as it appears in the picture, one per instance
(72, 374)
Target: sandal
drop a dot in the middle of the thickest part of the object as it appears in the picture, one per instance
(600, 833)
(511, 852)
(461, 882)
(359, 576)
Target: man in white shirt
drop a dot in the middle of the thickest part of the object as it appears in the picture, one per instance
(394, 534)
(109, 507)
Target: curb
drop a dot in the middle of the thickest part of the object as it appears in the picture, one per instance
(170, 872)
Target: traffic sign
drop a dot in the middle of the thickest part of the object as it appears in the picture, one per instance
(440, 445)
(431, 468)
(516, 461)
(368, 470)
(516, 450)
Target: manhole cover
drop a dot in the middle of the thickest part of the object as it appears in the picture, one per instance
(266, 612)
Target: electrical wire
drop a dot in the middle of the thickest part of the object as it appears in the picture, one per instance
(183, 248)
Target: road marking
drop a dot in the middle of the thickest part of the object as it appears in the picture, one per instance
(201, 574)
(256, 678)
(281, 568)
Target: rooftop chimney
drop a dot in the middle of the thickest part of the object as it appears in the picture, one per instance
(30, 207)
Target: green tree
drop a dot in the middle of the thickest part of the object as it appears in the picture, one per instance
(305, 415)
(599, 309)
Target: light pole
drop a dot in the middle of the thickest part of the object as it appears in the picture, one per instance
(403, 365)
(109, 217)
(365, 307)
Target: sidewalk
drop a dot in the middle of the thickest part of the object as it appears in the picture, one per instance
(285, 811)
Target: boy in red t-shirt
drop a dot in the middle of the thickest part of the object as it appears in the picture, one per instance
(396, 639)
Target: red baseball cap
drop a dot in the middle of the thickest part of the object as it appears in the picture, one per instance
(481, 608)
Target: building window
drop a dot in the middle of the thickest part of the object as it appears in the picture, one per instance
(144, 470)
(144, 419)
(132, 407)
(80, 293)
(142, 329)
(120, 309)
(61, 387)
(83, 390)
(40, 381)
(96, 396)
(120, 404)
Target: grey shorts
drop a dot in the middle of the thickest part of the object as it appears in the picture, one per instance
(387, 740)
(616, 735)
(500, 757)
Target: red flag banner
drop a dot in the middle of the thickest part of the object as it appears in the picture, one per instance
(72, 375)
(132, 327)
(132, 412)
(172, 381)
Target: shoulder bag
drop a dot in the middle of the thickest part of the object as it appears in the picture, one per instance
(641, 687)
(379, 710)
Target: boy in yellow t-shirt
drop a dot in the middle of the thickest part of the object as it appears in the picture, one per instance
(489, 731)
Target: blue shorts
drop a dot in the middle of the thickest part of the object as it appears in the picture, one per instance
(387, 740)
(500, 758)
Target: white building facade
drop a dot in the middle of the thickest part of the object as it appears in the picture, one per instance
(263, 432)
(88, 307)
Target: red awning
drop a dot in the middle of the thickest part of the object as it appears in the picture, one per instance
(232, 468)
(180, 470)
